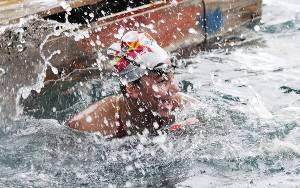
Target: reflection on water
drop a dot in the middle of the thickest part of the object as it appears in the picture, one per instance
(249, 135)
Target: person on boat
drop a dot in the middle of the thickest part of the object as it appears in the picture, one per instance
(149, 93)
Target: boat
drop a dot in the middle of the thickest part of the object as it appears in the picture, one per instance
(46, 42)
(74, 53)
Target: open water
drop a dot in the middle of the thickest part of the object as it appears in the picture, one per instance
(249, 137)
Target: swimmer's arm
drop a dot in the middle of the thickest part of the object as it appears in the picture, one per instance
(186, 101)
(93, 119)
(183, 124)
(189, 100)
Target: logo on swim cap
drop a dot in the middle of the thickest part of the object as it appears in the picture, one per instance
(136, 53)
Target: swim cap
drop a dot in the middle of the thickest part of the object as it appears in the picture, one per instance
(137, 53)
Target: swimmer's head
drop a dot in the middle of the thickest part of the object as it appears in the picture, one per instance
(145, 72)
(136, 55)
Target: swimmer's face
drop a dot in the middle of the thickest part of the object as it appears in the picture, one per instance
(159, 93)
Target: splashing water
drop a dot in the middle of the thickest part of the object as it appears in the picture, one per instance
(248, 136)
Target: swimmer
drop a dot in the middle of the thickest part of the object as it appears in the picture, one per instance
(149, 93)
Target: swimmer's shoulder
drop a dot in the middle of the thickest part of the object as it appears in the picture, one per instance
(106, 106)
(103, 108)
(109, 101)
(98, 117)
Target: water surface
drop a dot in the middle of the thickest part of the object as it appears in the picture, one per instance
(249, 137)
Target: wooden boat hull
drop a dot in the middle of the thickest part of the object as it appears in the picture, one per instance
(174, 26)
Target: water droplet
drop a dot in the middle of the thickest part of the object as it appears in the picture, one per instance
(256, 28)
(105, 121)
(174, 2)
(98, 42)
(192, 31)
(150, 26)
(9, 43)
(91, 15)
(128, 123)
(2, 71)
(92, 43)
(128, 184)
(155, 88)
(128, 168)
(54, 70)
(22, 40)
(155, 125)
(66, 6)
(20, 48)
(88, 119)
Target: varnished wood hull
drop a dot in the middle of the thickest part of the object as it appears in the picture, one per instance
(174, 26)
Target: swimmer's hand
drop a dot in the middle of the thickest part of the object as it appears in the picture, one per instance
(183, 124)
